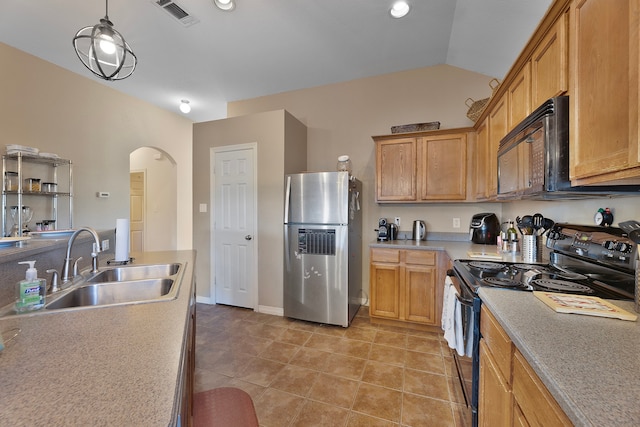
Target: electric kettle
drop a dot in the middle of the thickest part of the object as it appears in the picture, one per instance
(419, 230)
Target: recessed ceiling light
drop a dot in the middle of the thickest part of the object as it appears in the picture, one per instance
(226, 5)
(185, 107)
(399, 9)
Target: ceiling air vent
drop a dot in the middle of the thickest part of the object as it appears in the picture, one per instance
(176, 12)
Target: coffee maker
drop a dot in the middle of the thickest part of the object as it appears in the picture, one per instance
(383, 230)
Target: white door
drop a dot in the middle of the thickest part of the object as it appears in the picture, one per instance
(233, 225)
(136, 210)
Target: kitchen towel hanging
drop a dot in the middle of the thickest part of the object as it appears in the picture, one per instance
(452, 318)
(122, 240)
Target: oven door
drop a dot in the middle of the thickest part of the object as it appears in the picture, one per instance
(468, 368)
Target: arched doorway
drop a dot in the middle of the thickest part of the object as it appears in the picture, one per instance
(153, 195)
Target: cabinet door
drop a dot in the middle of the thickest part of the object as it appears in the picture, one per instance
(495, 402)
(396, 170)
(420, 281)
(550, 64)
(519, 93)
(518, 417)
(385, 288)
(481, 171)
(443, 167)
(537, 405)
(497, 131)
(498, 341)
(604, 102)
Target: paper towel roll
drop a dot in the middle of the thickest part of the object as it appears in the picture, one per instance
(122, 239)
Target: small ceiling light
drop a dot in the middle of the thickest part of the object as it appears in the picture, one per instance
(185, 107)
(104, 51)
(399, 9)
(226, 5)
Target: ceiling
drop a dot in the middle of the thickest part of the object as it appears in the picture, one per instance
(271, 46)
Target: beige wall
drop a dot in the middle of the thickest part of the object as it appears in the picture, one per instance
(95, 126)
(272, 131)
(576, 211)
(341, 118)
(160, 192)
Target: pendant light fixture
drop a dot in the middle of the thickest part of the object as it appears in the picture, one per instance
(104, 51)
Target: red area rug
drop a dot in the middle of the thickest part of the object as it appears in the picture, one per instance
(224, 407)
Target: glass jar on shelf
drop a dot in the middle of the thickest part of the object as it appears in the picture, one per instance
(344, 164)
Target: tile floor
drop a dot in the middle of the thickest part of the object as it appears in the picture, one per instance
(305, 374)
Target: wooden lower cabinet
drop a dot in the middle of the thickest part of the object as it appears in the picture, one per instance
(510, 392)
(495, 405)
(405, 286)
(533, 399)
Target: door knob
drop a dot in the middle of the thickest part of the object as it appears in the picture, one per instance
(247, 237)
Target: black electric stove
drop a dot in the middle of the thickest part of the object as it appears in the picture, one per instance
(593, 280)
(584, 260)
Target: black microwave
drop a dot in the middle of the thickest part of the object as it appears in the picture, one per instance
(533, 159)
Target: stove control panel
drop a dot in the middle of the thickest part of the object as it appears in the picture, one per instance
(609, 245)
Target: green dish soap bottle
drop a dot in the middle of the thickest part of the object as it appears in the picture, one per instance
(31, 291)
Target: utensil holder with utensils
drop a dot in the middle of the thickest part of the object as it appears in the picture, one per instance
(531, 248)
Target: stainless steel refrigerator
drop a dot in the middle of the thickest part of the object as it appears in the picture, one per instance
(323, 247)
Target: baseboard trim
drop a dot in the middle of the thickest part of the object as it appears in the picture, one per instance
(275, 311)
(204, 300)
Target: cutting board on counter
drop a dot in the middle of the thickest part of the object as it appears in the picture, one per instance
(484, 255)
(582, 304)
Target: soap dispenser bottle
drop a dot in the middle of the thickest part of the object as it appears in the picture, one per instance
(31, 291)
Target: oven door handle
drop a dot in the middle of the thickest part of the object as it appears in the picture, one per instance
(463, 301)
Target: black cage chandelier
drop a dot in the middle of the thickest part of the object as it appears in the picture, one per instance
(104, 51)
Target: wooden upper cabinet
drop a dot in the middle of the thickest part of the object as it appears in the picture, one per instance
(604, 100)
(426, 167)
(396, 171)
(550, 64)
(519, 97)
(481, 158)
(443, 161)
(497, 130)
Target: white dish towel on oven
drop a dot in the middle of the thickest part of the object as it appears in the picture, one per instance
(452, 317)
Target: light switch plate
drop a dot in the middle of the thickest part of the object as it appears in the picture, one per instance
(203, 207)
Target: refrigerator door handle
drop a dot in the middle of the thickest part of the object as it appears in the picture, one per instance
(287, 197)
(287, 260)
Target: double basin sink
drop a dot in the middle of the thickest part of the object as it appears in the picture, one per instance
(120, 285)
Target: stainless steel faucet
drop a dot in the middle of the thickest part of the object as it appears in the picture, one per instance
(66, 275)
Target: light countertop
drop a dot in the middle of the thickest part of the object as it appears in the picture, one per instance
(591, 365)
(455, 249)
(116, 365)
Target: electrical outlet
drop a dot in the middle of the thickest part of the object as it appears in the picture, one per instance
(397, 221)
(105, 245)
(456, 222)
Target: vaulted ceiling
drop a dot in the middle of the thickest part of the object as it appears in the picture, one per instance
(270, 46)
